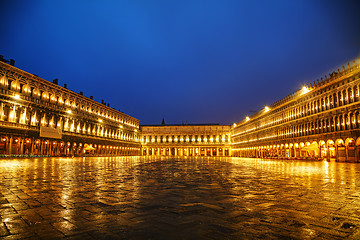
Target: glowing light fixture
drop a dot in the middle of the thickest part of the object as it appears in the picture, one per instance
(266, 109)
(17, 96)
(247, 119)
(305, 90)
(234, 125)
(69, 111)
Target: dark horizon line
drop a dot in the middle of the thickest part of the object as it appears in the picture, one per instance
(184, 124)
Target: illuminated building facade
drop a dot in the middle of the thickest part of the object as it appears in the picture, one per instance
(320, 121)
(186, 140)
(38, 117)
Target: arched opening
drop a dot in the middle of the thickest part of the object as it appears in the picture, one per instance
(214, 152)
(331, 151)
(350, 150)
(311, 150)
(4, 142)
(27, 146)
(16, 146)
(357, 150)
(322, 149)
(340, 150)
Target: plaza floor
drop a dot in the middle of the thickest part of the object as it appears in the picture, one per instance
(178, 198)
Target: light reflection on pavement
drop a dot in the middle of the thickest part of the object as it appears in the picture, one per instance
(178, 198)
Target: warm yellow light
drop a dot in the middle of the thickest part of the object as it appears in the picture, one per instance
(234, 125)
(100, 120)
(247, 119)
(17, 96)
(69, 111)
(305, 90)
(266, 109)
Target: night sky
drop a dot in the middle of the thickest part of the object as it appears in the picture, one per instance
(187, 61)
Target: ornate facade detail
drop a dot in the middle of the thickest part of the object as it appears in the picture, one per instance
(320, 121)
(186, 140)
(38, 117)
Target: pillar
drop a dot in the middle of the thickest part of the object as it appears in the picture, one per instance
(41, 146)
(50, 148)
(22, 146)
(71, 148)
(32, 146)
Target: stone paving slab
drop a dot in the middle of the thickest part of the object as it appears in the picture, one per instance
(178, 198)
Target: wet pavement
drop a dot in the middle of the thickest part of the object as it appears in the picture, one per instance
(178, 198)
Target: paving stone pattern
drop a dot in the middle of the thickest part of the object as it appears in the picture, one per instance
(178, 198)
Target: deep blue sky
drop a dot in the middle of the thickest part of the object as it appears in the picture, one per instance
(195, 61)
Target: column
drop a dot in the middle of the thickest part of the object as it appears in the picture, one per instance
(22, 146)
(10, 145)
(41, 146)
(72, 148)
(51, 146)
(32, 146)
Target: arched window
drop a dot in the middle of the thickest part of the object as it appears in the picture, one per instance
(15, 85)
(340, 99)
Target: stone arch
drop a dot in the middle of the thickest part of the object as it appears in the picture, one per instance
(350, 95)
(4, 144)
(27, 150)
(74, 102)
(26, 89)
(331, 150)
(45, 95)
(349, 141)
(344, 96)
(15, 85)
(36, 92)
(53, 96)
(67, 102)
(337, 123)
(356, 93)
(331, 103)
(322, 148)
(350, 145)
(339, 141)
(340, 150)
(4, 82)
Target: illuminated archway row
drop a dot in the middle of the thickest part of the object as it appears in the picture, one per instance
(196, 138)
(27, 147)
(342, 150)
(187, 151)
